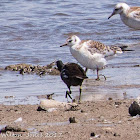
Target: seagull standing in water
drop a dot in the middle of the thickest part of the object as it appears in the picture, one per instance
(90, 54)
(129, 15)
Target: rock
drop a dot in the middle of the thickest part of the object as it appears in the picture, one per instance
(49, 96)
(18, 120)
(46, 96)
(13, 128)
(30, 69)
(46, 109)
(41, 109)
(110, 98)
(52, 109)
(92, 134)
(72, 107)
(47, 105)
(136, 65)
(56, 104)
(72, 120)
(9, 97)
(115, 135)
(118, 103)
(134, 109)
(52, 103)
(53, 71)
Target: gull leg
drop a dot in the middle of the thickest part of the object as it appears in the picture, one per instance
(99, 75)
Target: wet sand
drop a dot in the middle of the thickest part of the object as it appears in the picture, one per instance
(102, 120)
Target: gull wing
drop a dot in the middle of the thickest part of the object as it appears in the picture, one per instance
(100, 48)
(135, 12)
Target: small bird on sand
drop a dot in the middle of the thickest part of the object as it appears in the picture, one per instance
(72, 75)
(129, 15)
(90, 54)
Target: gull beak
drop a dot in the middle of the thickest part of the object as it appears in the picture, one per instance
(64, 45)
(111, 15)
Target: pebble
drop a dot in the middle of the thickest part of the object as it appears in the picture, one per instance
(134, 109)
(92, 134)
(18, 120)
(110, 98)
(52, 109)
(72, 120)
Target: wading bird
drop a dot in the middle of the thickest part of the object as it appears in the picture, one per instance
(129, 15)
(72, 75)
(90, 54)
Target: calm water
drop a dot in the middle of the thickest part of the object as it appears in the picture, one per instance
(31, 31)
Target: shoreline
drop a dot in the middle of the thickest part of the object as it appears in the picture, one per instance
(103, 120)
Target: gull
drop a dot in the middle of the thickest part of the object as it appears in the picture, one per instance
(90, 54)
(129, 15)
(72, 75)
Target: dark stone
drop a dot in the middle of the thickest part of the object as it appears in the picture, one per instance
(92, 134)
(73, 108)
(41, 109)
(117, 103)
(115, 135)
(21, 71)
(134, 109)
(110, 98)
(13, 128)
(72, 120)
(49, 96)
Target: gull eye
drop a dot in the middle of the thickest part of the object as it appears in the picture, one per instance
(116, 9)
(70, 40)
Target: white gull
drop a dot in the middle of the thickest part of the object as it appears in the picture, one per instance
(90, 54)
(129, 15)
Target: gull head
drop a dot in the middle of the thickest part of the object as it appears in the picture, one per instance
(119, 9)
(72, 40)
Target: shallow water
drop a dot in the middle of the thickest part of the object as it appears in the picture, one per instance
(32, 31)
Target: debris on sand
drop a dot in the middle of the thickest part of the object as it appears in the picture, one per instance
(92, 134)
(72, 120)
(30, 69)
(73, 107)
(12, 128)
(46, 96)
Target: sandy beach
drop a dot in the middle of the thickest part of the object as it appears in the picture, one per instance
(101, 120)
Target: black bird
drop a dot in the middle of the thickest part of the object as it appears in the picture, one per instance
(72, 75)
